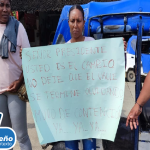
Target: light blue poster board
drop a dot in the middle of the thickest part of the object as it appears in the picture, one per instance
(76, 90)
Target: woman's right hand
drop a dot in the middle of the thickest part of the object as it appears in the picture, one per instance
(21, 53)
(13, 88)
(132, 118)
(125, 44)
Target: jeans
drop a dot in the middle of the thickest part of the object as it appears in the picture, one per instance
(14, 116)
(88, 144)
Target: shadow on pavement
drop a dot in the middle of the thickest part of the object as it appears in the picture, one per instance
(30, 125)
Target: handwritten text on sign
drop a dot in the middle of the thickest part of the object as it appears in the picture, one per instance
(75, 90)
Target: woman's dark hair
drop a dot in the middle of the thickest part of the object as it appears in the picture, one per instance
(77, 7)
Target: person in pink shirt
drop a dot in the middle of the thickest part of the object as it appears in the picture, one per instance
(13, 37)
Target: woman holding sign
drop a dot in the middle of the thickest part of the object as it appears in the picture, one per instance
(76, 24)
(13, 36)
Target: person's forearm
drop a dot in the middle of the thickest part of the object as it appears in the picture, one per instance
(145, 92)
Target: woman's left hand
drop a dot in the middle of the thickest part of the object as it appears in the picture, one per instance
(13, 88)
(125, 44)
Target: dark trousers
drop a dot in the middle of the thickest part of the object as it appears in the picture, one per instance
(88, 144)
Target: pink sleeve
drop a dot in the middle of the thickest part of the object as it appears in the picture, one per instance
(22, 38)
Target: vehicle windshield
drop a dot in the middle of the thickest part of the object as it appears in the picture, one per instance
(145, 46)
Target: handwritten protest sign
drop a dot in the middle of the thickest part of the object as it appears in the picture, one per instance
(76, 90)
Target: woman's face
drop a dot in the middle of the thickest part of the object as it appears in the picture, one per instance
(5, 10)
(76, 23)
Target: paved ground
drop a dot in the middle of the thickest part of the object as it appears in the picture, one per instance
(127, 105)
(129, 98)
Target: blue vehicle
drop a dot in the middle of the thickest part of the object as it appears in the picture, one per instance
(107, 19)
(122, 18)
(130, 57)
